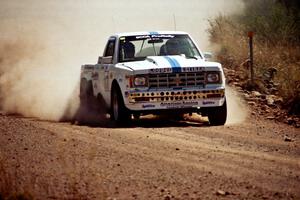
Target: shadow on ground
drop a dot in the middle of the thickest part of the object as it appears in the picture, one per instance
(92, 114)
(95, 118)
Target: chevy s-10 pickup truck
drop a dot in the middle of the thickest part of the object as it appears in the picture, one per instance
(155, 73)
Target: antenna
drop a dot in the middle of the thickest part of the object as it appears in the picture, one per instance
(174, 20)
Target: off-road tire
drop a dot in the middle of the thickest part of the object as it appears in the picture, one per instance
(217, 115)
(86, 107)
(86, 93)
(119, 113)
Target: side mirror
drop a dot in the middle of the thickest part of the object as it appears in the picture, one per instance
(105, 60)
(207, 55)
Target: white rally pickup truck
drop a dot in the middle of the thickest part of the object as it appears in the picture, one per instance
(154, 73)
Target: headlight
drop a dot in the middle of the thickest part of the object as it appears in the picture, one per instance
(213, 77)
(140, 81)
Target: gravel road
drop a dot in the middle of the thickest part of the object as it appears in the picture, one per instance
(150, 159)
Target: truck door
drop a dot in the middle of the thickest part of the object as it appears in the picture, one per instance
(107, 64)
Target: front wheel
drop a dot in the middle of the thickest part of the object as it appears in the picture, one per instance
(217, 115)
(118, 111)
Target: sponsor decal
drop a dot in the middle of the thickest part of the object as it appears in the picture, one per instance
(170, 70)
(182, 104)
(192, 69)
(153, 33)
(148, 106)
(162, 36)
(95, 75)
(160, 70)
(208, 102)
(142, 37)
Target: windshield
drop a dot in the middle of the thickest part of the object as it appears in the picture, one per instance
(133, 48)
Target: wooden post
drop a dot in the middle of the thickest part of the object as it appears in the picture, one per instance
(250, 35)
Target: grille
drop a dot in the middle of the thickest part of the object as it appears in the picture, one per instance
(173, 80)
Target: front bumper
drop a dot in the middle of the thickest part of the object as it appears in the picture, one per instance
(174, 99)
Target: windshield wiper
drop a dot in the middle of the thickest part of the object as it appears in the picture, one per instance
(133, 59)
(194, 57)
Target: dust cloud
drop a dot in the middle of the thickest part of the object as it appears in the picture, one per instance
(43, 43)
(236, 108)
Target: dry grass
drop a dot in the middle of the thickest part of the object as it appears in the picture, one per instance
(229, 34)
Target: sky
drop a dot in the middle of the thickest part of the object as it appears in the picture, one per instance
(44, 43)
(88, 23)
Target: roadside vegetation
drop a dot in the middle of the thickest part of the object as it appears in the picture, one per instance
(276, 27)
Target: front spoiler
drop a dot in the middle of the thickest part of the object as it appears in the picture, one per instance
(183, 104)
(183, 99)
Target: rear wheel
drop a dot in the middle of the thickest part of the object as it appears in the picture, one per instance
(86, 93)
(217, 115)
(87, 112)
(118, 111)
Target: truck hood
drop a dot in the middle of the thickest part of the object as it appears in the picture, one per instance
(169, 64)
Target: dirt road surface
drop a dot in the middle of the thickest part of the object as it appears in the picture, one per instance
(150, 159)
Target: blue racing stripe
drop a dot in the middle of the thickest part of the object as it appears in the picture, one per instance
(174, 64)
(170, 61)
